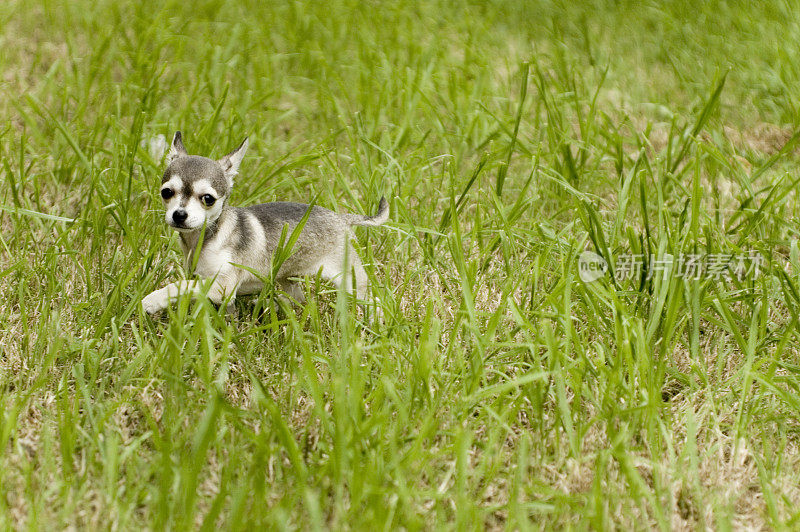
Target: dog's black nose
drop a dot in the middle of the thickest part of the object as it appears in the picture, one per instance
(179, 216)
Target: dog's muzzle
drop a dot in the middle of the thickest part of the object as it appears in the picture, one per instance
(179, 217)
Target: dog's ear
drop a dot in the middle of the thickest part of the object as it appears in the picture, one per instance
(230, 163)
(176, 149)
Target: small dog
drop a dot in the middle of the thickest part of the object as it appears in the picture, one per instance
(195, 191)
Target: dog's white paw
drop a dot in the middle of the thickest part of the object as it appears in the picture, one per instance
(377, 315)
(154, 302)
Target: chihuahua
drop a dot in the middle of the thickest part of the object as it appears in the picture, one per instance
(232, 243)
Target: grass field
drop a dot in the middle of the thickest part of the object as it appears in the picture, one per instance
(499, 391)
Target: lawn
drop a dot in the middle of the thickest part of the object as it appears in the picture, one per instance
(499, 390)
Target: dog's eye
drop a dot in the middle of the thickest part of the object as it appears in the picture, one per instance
(208, 200)
(167, 193)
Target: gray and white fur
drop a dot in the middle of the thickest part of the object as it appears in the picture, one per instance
(195, 191)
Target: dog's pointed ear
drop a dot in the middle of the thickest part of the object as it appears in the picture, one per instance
(230, 163)
(176, 149)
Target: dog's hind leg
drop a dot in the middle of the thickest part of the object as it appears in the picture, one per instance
(293, 289)
(343, 277)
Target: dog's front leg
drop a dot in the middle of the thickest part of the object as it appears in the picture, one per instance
(160, 299)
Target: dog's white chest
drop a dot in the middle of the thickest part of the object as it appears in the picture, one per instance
(212, 261)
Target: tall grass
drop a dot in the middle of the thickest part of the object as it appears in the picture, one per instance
(498, 390)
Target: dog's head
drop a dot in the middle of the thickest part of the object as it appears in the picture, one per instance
(194, 188)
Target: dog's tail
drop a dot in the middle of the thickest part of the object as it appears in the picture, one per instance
(378, 219)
